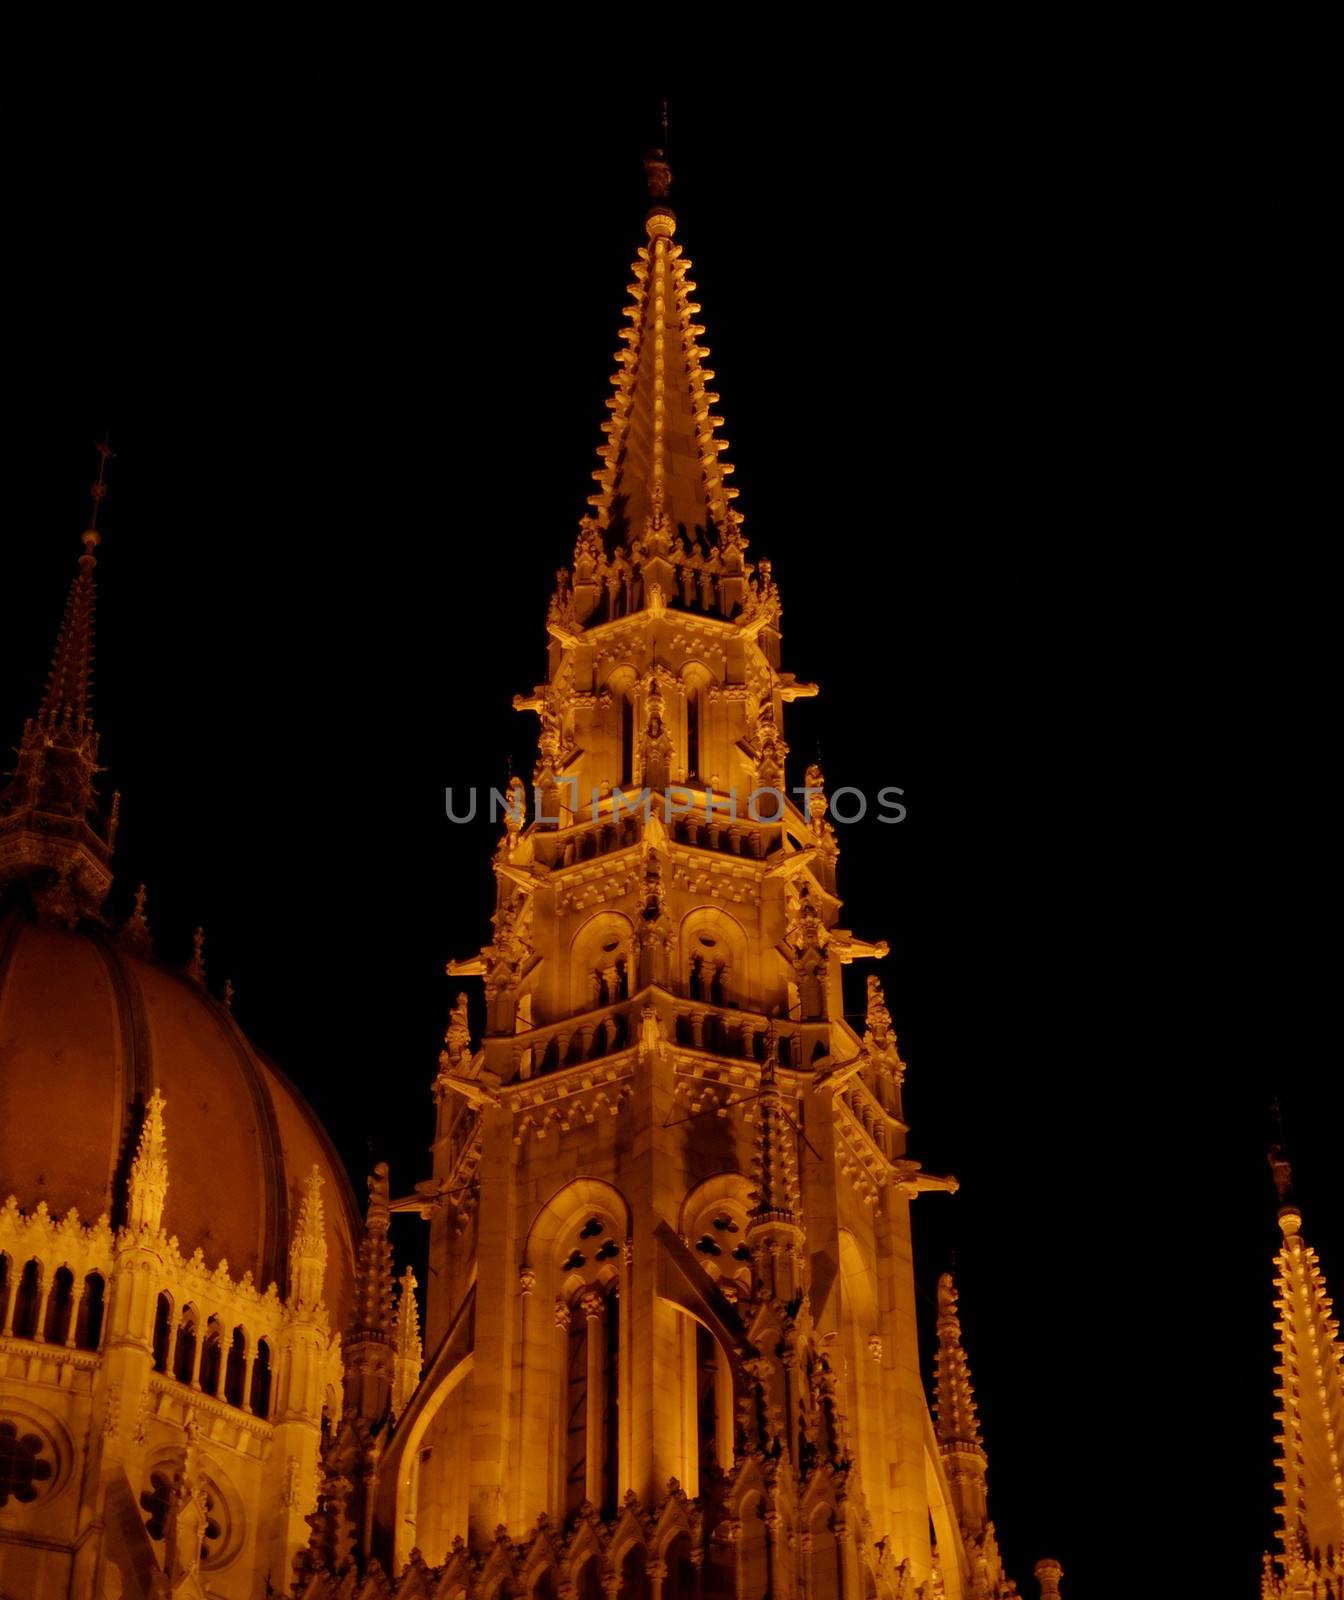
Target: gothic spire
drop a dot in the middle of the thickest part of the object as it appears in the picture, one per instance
(774, 1223)
(308, 1248)
(410, 1355)
(662, 463)
(1311, 1375)
(149, 1171)
(956, 1423)
(368, 1344)
(53, 835)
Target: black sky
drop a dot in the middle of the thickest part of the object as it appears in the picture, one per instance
(1020, 418)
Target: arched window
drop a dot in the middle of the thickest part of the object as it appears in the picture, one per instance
(634, 1575)
(6, 1283)
(163, 1332)
(235, 1370)
(28, 1302)
(89, 1326)
(184, 1355)
(261, 1380)
(212, 1357)
(693, 732)
(824, 1559)
(60, 1307)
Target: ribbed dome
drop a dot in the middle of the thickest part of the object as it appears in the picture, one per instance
(86, 1032)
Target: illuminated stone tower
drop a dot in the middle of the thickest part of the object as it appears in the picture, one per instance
(670, 1311)
(1311, 1397)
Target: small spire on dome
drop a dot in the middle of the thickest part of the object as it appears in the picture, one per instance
(308, 1249)
(196, 966)
(134, 937)
(149, 1171)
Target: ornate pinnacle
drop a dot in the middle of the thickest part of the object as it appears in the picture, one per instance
(954, 1398)
(53, 834)
(1311, 1396)
(955, 1422)
(410, 1354)
(134, 936)
(308, 1249)
(368, 1346)
(775, 1164)
(149, 1171)
(196, 966)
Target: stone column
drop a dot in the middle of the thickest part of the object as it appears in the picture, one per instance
(592, 1306)
(249, 1361)
(76, 1302)
(11, 1291)
(39, 1330)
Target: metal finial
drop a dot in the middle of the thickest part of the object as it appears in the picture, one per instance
(98, 490)
(1282, 1169)
(658, 174)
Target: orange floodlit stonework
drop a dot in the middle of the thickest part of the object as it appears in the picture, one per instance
(669, 1344)
(1310, 1561)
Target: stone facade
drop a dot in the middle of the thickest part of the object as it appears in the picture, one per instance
(670, 1343)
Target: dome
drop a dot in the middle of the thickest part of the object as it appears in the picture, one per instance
(87, 1031)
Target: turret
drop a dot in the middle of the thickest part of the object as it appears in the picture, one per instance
(55, 837)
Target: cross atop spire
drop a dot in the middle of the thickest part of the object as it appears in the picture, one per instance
(54, 837)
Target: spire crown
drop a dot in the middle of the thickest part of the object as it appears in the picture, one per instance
(54, 836)
(1311, 1370)
(149, 1171)
(308, 1250)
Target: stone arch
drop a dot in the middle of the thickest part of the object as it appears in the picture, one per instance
(946, 1533)
(634, 1569)
(587, 1577)
(260, 1396)
(576, 1243)
(186, 1345)
(163, 1331)
(753, 1562)
(601, 954)
(622, 686)
(824, 1556)
(60, 1310)
(92, 1306)
(864, 1357)
(28, 1300)
(415, 1486)
(681, 1579)
(235, 1366)
(714, 958)
(696, 682)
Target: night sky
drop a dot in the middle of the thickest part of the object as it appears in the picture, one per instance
(975, 388)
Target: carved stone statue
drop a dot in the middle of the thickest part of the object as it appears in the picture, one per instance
(657, 754)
